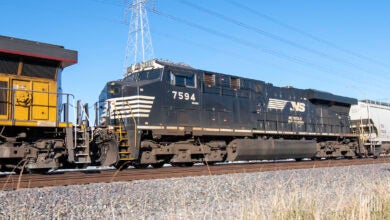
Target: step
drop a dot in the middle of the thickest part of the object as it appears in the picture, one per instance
(124, 152)
(123, 133)
(81, 146)
(130, 158)
(82, 155)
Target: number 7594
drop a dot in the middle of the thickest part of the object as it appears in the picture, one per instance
(183, 95)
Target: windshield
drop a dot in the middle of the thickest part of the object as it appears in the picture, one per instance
(145, 75)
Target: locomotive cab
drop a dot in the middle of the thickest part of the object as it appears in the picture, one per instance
(35, 130)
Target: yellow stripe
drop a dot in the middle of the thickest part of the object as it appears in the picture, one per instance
(246, 131)
(26, 123)
(63, 124)
(5, 122)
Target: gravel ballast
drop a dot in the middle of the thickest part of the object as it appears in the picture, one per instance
(233, 196)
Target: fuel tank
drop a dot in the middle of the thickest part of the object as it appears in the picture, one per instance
(259, 149)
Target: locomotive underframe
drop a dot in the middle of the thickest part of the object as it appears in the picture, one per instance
(184, 148)
(43, 148)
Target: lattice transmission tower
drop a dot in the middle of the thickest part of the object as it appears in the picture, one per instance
(139, 46)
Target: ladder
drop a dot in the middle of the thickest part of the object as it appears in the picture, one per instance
(123, 143)
(81, 147)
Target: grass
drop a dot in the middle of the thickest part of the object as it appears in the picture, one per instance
(340, 193)
(366, 198)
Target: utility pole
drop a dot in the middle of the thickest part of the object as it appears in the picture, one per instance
(139, 46)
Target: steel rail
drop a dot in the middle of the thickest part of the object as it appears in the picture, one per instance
(14, 182)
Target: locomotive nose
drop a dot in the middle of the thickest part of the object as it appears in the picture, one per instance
(121, 88)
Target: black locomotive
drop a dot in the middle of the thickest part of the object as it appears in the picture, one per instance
(164, 112)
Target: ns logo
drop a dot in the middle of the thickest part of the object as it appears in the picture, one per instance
(280, 104)
(298, 106)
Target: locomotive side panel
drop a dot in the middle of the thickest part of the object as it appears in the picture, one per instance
(286, 109)
(33, 134)
(183, 100)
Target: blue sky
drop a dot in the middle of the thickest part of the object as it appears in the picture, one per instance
(279, 55)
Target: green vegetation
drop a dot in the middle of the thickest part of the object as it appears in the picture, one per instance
(368, 199)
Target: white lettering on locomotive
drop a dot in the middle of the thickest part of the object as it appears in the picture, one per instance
(280, 104)
(184, 96)
(295, 120)
(298, 106)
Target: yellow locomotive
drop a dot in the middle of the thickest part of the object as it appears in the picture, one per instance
(35, 132)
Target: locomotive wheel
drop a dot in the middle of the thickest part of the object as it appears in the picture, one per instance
(185, 164)
(37, 171)
(189, 164)
(316, 158)
(157, 165)
(141, 166)
(105, 153)
(82, 166)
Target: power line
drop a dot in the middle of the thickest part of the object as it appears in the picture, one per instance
(237, 40)
(254, 45)
(251, 60)
(248, 44)
(267, 34)
(274, 36)
(306, 34)
(234, 54)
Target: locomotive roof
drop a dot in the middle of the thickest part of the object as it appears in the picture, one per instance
(154, 64)
(169, 63)
(329, 97)
(311, 94)
(41, 50)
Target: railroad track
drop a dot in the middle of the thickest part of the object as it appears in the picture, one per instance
(12, 182)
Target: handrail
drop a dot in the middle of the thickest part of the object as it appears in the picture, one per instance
(25, 90)
(11, 103)
(367, 101)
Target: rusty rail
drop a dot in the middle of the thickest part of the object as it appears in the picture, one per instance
(12, 182)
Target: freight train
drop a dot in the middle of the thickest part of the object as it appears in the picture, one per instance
(162, 112)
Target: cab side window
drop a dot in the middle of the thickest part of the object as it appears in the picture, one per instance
(183, 79)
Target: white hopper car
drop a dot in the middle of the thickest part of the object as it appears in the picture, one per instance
(371, 120)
